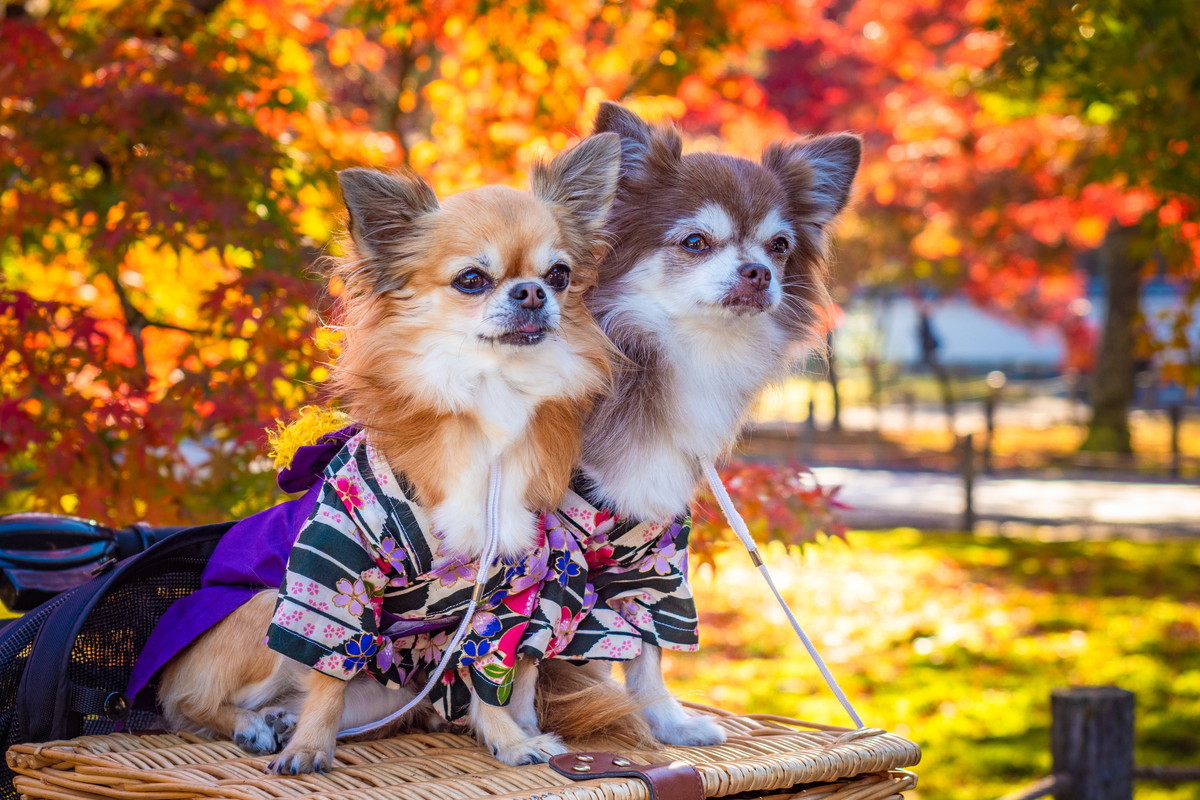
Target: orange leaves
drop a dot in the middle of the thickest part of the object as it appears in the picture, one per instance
(350, 46)
(341, 46)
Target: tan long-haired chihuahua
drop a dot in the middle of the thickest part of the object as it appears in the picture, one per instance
(466, 341)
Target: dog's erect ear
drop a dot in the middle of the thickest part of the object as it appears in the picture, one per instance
(583, 180)
(382, 205)
(641, 143)
(817, 174)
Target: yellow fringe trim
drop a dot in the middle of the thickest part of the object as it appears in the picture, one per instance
(313, 423)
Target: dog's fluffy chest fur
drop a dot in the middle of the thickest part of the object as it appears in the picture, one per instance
(495, 410)
(699, 376)
(500, 391)
(717, 367)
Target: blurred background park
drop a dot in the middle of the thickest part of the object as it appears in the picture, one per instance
(1016, 286)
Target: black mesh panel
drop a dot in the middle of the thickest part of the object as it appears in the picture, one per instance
(111, 636)
(122, 620)
(14, 652)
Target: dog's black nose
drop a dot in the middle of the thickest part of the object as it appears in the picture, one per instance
(529, 295)
(757, 274)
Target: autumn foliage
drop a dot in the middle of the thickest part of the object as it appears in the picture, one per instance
(167, 189)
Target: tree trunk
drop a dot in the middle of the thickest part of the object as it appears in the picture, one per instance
(1112, 381)
(832, 375)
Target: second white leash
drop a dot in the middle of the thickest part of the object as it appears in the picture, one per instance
(743, 532)
(490, 548)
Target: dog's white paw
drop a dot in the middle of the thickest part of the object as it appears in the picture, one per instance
(282, 722)
(535, 750)
(686, 730)
(300, 761)
(254, 735)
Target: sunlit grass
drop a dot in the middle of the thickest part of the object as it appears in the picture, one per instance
(957, 642)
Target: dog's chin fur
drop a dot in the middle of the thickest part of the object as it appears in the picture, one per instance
(446, 383)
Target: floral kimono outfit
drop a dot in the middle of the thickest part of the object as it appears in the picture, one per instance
(366, 566)
(638, 572)
(364, 584)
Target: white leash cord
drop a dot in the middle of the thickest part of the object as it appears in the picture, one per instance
(490, 548)
(739, 527)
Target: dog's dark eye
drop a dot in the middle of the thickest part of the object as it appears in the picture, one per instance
(695, 243)
(781, 245)
(558, 277)
(471, 281)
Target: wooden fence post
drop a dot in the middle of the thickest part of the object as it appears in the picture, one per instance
(1091, 742)
(1175, 414)
(995, 382)
(968, 476)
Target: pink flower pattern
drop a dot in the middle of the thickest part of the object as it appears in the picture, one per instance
(349, 492)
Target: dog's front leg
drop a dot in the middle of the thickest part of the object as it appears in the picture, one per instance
(508, 739)
(523, 706)
(668, 720)
(311, 746)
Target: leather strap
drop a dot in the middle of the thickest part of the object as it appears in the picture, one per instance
(676, 780)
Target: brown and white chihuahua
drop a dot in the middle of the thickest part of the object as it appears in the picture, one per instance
(717, 276)
(466, 340)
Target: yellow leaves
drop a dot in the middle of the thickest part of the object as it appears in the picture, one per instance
(885, 193)
(341, 46)
(532, 64)
(511, 133)
(658, 108)
(239, 349)
(1099, 113)
(422, 154)
(289, 393)
(329, 340)
(315, 218)
(937, 240)
(1088, 231)
(295, 62)
(115, 214)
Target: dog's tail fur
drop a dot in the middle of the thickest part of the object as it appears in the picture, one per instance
(582, 703)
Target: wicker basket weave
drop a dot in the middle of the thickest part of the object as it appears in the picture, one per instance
(765, 757)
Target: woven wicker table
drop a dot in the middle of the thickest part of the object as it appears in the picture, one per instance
(765, 757)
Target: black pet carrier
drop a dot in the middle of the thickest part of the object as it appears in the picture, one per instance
(64, 665)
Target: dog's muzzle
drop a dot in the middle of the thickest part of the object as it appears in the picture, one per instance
(751, 292)
(526, 323)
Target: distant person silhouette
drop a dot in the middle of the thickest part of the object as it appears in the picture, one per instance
(929, 339)
(930, 344)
